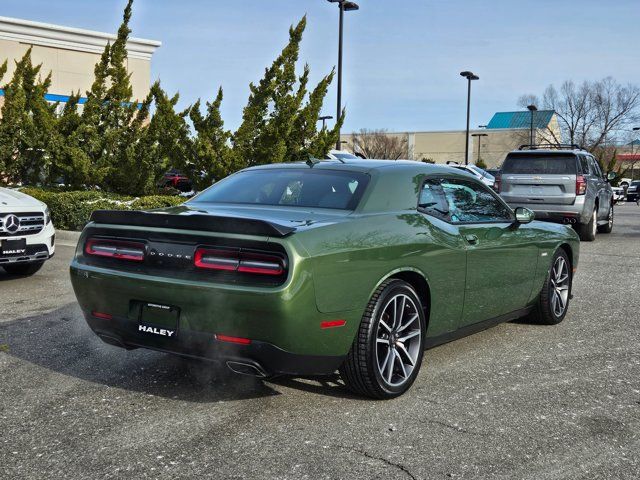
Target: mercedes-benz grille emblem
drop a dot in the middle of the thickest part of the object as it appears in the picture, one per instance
(11, 223)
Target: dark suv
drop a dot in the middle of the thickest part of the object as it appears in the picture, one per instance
(633, 192)
(560, 184)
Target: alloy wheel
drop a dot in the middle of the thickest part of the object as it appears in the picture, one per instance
(398, 340)
(559, 286)
(594, 222)
(610, 219)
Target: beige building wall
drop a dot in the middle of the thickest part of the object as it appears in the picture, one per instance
(70, 55)
(449, 146)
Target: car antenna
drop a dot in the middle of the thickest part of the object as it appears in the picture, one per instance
(311, 160)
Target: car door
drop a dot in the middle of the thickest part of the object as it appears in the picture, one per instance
(604, 195)
(501, 254)
(449, 266)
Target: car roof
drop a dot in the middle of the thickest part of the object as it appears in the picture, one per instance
(360, 165)
(549, 151)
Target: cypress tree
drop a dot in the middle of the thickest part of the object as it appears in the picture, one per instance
(211, 157)
(277, 124)
(28, 122)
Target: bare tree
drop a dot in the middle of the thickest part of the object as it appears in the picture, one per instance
(528, 99)
(380, 144)
(591, 114)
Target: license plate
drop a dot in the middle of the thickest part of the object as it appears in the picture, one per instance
(160, 320)
(10, 248)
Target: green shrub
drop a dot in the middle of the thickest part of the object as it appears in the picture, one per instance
(72, 210)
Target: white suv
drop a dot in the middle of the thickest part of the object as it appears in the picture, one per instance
(27, 236)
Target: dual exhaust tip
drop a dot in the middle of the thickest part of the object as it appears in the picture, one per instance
(246, 369)
(570, 220)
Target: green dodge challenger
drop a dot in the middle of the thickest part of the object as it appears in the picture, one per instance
(308, 268)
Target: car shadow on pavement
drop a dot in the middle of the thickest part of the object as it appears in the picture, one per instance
(329, 386)
(61, 341)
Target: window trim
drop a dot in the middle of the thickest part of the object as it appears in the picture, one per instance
(354, 203)
(447, 218)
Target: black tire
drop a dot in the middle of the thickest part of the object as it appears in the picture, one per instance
(23, 268)
(361, 370)
(587, 231)
(545, 312)
(607, 227)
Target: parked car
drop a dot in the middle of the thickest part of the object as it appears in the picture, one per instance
(493, 171)
(341, 155)
(176, 179)
(633, 192)
(309, 268)
(624, 182)
(27, 236)
(560, 185)
(618, 194)
(477, 172)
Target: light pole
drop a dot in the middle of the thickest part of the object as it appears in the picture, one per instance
(633, 163)
(324, 119)
(479, 135)
(469, 76)
(531, 108)
(344, 6)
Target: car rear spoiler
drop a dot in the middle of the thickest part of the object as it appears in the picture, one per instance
(207, 223)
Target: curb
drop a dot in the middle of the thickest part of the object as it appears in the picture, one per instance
(67, 236)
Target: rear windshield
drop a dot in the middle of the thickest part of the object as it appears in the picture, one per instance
(539, 164)
(288, 187)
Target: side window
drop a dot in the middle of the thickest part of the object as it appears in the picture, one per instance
(470, 202)
(584, 165)
(595, 167)
(432, 201)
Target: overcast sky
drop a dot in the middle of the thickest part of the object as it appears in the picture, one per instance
(402, 57)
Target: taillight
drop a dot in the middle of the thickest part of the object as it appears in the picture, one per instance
(258, 263)
(581, 185)
(117, 249)
(497, 183)
(230, 339)
(216, 259)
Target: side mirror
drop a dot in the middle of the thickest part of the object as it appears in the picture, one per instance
(611, 176)
(524, 215)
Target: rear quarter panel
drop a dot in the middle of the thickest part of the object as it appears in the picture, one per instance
(351, 258)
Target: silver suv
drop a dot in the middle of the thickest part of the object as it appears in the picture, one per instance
(560, 184)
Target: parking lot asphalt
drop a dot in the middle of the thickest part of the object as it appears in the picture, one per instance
(515, 401)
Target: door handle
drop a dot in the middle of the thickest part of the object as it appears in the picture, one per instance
(472, 239)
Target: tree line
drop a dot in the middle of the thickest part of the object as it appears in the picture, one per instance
(111, 141)
(593, 115)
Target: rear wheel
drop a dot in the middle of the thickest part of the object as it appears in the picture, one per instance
(609, 225)
(22, 268)
(553, 301)
(386, 354)
(587, 231)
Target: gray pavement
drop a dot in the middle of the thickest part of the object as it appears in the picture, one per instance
(515, 401)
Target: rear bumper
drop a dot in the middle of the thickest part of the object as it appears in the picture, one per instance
(556, 213)
(258, 358)
(40, 247)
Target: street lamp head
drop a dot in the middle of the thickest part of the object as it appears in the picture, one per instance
(326, 117)
(532, 108)
(482, 126)
(346, 6)
(469, 75)
(636, 128)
